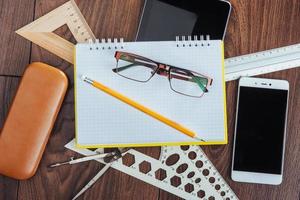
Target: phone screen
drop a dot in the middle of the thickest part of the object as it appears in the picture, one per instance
(166, 19)
(259, 139)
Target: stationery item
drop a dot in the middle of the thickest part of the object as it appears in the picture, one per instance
(84, 159)
(263, 62)
(108, 164)
(104, 120)
(200, 179)
(92, 181)
(247, 65)
(30, 120)
(141, 108)
(41, 30)
(106, 158)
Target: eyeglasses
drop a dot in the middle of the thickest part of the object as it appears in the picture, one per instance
(141, 69)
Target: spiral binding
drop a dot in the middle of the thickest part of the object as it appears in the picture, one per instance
(108, 43)
(202, 41)
(105, 44)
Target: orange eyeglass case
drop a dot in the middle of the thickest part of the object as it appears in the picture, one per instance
(30, 120)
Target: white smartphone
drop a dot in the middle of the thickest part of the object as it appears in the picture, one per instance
(260, 129)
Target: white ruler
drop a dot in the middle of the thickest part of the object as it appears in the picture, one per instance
(262, 62)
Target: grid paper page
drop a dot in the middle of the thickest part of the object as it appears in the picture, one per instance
(104, 120)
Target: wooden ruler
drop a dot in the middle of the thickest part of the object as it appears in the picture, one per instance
(41, 30)
(41, 33)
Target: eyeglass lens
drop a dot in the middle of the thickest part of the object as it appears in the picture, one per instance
(135, 68)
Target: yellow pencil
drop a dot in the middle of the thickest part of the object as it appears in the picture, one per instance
(141, 108)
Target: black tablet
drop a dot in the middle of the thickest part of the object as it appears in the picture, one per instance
(166, 19)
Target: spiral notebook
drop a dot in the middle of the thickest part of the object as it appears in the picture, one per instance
(104, 121)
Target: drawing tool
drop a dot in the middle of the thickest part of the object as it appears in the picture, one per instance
(140, 107)
(201, 175)
(262, 62)
(41, 31)
(93, 180)
(116, 155)
(84, 159)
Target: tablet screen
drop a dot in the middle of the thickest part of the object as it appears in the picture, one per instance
(166, 19)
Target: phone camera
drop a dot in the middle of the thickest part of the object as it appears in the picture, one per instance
(270, 84)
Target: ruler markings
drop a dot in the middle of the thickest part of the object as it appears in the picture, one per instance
(228, 71)
(279, 57)
(262, 62)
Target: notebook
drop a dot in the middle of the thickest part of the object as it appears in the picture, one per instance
(104, 121)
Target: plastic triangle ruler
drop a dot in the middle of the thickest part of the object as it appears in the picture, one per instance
(181, 170)
(41, 30)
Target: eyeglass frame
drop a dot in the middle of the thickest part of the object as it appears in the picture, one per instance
(166, 67)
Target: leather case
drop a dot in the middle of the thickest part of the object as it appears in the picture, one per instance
(30, 120)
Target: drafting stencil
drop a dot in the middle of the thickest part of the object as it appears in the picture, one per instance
(184, 171)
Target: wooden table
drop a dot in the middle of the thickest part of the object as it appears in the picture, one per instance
(255, 25)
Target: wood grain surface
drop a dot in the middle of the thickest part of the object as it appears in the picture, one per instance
(15, 51)
(254, 25)
(8, 88)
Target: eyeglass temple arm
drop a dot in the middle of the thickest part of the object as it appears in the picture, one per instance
(197, 80)
(119, 69)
